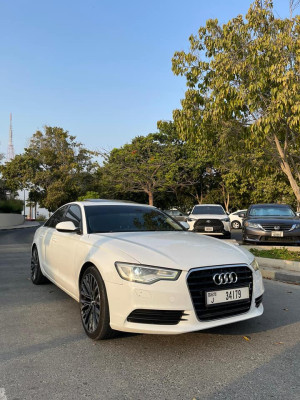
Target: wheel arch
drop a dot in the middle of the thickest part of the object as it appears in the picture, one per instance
(85, 266)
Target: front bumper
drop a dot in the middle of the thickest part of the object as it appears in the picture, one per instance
(127, 297)
(259, 235)
(223, 229)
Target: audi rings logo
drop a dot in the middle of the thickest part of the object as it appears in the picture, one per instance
(222, 279)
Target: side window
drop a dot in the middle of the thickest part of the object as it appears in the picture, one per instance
(74, 215)
(56, 217)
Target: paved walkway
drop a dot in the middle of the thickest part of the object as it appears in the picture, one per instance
(27, 224)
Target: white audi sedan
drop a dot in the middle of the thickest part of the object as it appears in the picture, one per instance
(133, 268)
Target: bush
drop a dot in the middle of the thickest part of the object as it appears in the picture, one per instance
(11, 206)
(41, 218)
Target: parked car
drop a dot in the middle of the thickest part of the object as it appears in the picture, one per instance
(271, 223)
(236, 218)
(210, 219)
(133, 268)
(176, 214)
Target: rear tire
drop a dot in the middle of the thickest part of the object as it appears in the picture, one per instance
(94, 307)
(36, 275)
(235, 225)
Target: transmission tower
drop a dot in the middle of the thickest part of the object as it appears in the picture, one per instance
(10, 148)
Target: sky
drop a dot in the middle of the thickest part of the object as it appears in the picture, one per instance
(99, 69)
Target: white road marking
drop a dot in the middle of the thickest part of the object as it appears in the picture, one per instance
(2, 394)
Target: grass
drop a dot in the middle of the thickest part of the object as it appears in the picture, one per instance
(280, 254)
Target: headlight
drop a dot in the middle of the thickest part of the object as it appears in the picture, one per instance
(252, 225)
(145, 274)
(295, 226)
(255, 265)
(225, 219)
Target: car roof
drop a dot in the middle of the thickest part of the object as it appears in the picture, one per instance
(202, 205)
(94, 202)
(269, 204)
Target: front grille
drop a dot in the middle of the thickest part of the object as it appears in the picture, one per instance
(282, 227)
(201, 280)
(258, 301)
(156, 317)
(200, 225)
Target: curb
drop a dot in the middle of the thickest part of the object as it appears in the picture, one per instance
(10, 228)
(282, 276)
(279, 270)
(286, 265)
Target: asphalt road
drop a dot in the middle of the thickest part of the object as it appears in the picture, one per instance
(45, 354)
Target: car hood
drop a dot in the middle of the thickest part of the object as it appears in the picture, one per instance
(208, 216)
(274, 220)
(179, 250)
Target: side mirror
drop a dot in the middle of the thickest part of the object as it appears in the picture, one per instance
(184, 224)
(298, 214)
(66, 226)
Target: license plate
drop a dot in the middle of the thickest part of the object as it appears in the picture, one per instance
(226, 296)
(209, 229)
(277, 233)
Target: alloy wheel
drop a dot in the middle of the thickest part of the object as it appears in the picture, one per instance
(90, 302)
(34, 264)
(235, 225)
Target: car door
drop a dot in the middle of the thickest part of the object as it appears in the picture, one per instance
(62, 251)
(46, 237)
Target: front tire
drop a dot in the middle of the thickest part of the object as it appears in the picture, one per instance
(36, 274)
(94, 308)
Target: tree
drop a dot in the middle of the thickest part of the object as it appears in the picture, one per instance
(138, 166)
(243, 81)
(55, 168)
(154, 164)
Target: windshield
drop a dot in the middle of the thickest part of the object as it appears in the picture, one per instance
(173, 212)
(271, 211)
(123, 218)
(216, 210)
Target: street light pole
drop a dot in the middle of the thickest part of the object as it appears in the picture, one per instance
(24, 203)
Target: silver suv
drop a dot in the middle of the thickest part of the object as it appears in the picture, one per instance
(210, 219)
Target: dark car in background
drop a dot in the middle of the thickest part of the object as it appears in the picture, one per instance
(271, 223)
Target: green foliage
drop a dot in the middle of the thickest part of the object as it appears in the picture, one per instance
(243, 91)
(55, 168)
(159, 165)
(281, 254)
(89, 195)
(11, 206)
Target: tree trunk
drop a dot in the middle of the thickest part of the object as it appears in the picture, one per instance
(287, 169)
(226, 197)
(150, 195)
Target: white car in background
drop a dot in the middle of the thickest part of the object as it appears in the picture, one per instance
(236, 219)
(210, 219)
(133, 268)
